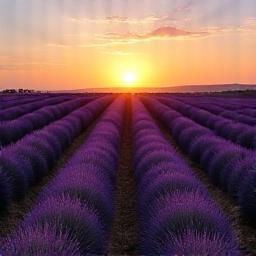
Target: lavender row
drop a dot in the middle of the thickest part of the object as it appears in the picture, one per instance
(23, 100)
(236, 132)
(226, 110)
(18, 100)
(27, 161)
(177, 216)
(73, 214)
(11, 131)
(247, 111)
(235, 113)
(223, 102)
(17, 111)
(229, 166)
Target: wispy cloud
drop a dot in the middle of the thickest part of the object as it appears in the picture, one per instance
(159, 28)
(249, 24)
(159, 33)
(115, 39)
(7, 67)
(21, 66)
(118, 53)
(117, 20)
(184, 8)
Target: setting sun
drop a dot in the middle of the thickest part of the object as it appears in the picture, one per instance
(128, 71)
(129, 78)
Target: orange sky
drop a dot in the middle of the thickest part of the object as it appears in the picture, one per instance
(80, 46)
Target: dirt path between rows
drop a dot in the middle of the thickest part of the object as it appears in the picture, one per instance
(123, 239)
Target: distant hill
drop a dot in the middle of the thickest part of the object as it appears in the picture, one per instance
(170, 89)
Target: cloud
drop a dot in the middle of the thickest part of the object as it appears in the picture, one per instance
(5, 67)
(184, 7)
(115, 38)
(170, 32)
(162, 32)
(249, 24)
(25, 66)
(159, 33)
(118, 53)
(118, 20)
(145, 20)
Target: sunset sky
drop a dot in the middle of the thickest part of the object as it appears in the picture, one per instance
(71, 44)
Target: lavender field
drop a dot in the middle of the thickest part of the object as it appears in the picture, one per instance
(120, 174)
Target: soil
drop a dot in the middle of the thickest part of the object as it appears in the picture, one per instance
(123, 238)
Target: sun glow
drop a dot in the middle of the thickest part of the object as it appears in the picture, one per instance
(129, 72)
(129, 78)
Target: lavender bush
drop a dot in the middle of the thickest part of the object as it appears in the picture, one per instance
(77, 206)
(172, 204)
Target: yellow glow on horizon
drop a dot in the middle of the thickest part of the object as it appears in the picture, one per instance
(143, 65)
